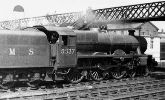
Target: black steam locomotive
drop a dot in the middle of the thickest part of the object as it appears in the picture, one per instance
(43, 53)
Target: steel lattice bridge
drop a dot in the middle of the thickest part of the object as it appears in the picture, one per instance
(154, 11)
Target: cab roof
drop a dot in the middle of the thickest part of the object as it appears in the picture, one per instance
(59, 30)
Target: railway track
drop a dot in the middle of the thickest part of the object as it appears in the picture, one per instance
(126, 89)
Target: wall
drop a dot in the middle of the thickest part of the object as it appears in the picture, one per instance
(143, 29)
(123, 32)
(148, 29)
(153, 47)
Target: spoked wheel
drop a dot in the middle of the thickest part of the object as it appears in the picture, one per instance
(145, 71)
(118, 73)
(75, 76)
(34, 81)
(7, 82)
(34, 84)
(7, 85)
(96, 75)
(131, 73)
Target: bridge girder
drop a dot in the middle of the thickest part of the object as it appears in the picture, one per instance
(154, 11)
(141, 12)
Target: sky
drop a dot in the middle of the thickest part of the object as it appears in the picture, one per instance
(34, 8)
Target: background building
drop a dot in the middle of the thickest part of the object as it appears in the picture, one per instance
(145, 29)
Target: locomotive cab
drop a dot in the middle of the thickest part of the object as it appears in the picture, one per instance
(63, 46)
(66, 51)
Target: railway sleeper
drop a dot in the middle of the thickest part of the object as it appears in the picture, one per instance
(119, 93)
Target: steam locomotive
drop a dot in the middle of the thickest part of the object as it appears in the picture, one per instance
(43, 53)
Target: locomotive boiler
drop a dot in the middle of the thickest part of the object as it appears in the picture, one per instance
(41, 53)
(106, 42)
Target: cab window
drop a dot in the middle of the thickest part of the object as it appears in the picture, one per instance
(69, 40)
(72, 41)
(65, 40)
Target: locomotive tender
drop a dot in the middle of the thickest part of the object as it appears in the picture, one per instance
(40, 53)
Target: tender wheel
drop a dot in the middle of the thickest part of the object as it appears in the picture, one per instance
(34, 84)
(96, 75)
(34, 81)
(118, 73)
(7, 82)
(75, 76)
(7, 85)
